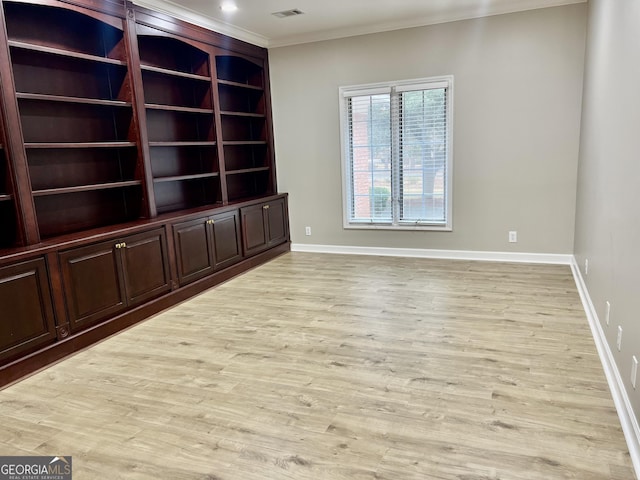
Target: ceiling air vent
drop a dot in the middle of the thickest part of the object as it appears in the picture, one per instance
(288, 13)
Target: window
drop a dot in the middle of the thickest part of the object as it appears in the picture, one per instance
(396, 157)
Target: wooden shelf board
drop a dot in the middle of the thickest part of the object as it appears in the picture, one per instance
(247, 170)
(242, 114)
(58, 98)
(64, 53)
(85, 188)
(185, 177)
(79, 144)
(194, 143)
(176, 108)
(175, 73)
(244, 142)
(240, 85)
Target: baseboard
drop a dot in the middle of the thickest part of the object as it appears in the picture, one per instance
(618, 392)
(518, 257)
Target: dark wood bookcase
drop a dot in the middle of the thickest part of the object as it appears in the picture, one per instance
(74, 97)
(179, 104)
(245, 129)
(7, 209)
(136, 170)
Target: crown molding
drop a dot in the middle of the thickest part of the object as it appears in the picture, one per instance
(446, 17)
(182, 13)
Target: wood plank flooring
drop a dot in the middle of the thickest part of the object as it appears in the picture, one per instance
(320, 367)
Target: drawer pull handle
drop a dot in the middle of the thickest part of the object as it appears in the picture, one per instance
(265, 207)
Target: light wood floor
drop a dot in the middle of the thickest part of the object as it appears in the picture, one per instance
(338, 367)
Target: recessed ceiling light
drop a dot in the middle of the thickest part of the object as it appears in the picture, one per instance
(228, 7)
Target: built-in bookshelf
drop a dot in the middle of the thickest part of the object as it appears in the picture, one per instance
(136, 170)
(176, 78)
(7, 211)
(247, 158)
(74, 97)
(121, 119)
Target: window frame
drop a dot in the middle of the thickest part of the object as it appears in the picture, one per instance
(347, 184)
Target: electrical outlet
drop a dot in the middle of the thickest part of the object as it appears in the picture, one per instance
(634, 371)
(586, 266)
(307, 231)
(608, 315)
(513, 236)
(619, 340)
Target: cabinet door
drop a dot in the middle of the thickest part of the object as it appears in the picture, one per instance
(193, 250)
(26, 312)
(254, 233)
(146, 266)
(276, 222)
(93, 283)
(225, 239)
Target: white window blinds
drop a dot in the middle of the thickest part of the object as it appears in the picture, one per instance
(370, 157)
(396, 154)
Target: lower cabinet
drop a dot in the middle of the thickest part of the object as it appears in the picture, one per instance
(26, 311)
(193, 250)
(207, 244)
(83, 282)
(263, 226)
(103, 279)
(225, 239)
(145, 265)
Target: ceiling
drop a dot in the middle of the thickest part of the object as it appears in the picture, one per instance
(328, 19)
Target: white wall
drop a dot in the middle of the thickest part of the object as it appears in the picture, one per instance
(518, 88)
(608, 201)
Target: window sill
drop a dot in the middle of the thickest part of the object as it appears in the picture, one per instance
(374, 226)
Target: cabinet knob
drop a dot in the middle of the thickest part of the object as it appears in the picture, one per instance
(124, 245)
(118, 245)
(265, 207)
(210, 222)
